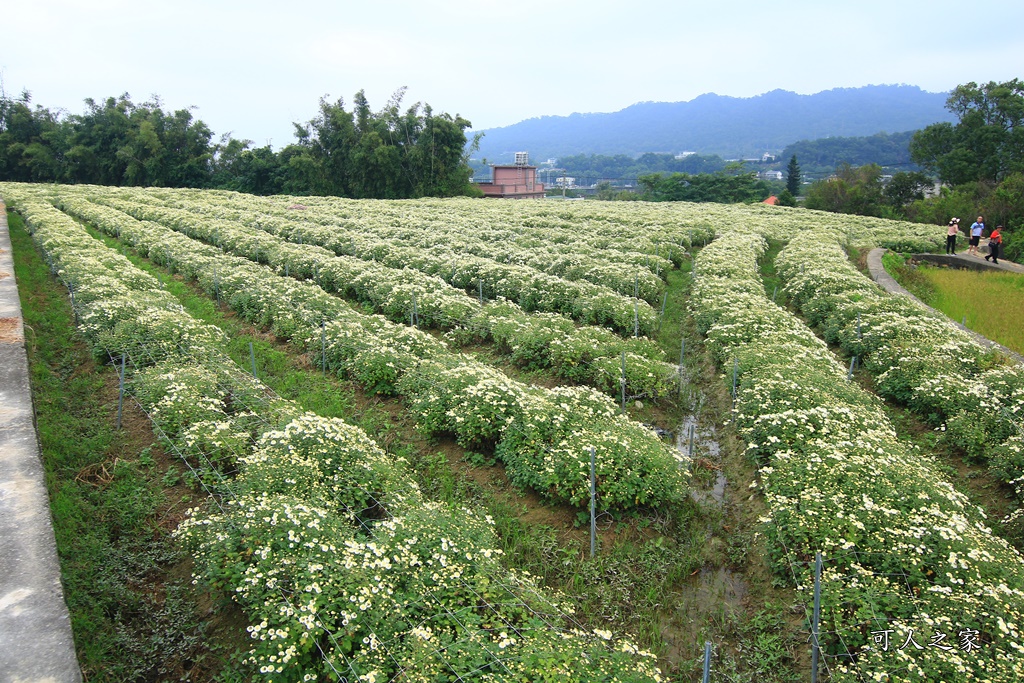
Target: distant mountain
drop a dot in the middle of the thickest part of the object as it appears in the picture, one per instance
(732, 127)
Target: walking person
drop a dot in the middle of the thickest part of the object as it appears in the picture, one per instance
(976, 229)
(954, 228)
(994, 240)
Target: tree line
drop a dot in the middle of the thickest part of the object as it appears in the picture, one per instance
(979, 160)
(393, 153)
(732, 185)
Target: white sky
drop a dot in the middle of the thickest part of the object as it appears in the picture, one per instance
(252, 68)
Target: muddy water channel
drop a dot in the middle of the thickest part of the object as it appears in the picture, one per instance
(698, 443)
(715, 599)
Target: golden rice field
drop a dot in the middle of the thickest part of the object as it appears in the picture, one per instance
(993, 302)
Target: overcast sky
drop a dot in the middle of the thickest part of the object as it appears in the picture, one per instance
(252, 68)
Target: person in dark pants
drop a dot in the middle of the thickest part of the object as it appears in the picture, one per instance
(994, 240)
(954, 228)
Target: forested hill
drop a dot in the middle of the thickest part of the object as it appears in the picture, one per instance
(728, 126)
(823, 155)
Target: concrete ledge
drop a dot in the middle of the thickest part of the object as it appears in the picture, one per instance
(965, 262)
(36, 645)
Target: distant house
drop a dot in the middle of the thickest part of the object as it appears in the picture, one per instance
(516, 181)
(771, 175)
(771, 201)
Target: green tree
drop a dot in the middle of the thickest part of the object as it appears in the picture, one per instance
(786, 198)
(604, 191)
(389, 154)
(904, 188)
(853, 189)
(793, 177)
(986, 143)
(119, 142)
(32, 141)
(723, 187)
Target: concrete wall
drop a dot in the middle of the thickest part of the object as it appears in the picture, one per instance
(35, 630)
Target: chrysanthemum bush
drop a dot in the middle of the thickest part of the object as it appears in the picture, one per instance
(643, 378)
(343, 570)
(543, 436)
(547, 445)
(470, 237)
(902, 547)
(918, 357)
(423, 269)
(474, 402)
(378, 353)
(421, 595)
(401, 294)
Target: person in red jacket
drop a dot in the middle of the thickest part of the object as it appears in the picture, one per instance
(994, 240)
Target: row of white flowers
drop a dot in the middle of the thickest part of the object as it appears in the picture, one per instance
(918, 357)
(532, 289)
(587, 354)
(611, 260)
(391, 359)
(324, 540)
(905, 553)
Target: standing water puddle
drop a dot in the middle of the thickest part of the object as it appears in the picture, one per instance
(698, 445)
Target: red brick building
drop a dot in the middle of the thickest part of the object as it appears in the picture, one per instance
(517, 181)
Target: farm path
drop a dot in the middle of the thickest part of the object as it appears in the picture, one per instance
(888, 282)
(35, 629)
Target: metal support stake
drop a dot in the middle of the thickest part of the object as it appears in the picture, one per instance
(593, 502)
(693, 428)
(774, 292)
(735, 372)
(622, 382)
(481, 292)
(682, 350)
(815, 646)
(664, 301)
(849, 375)
(120, 392)
(707, 661)
(636, 318)
(252, 357)
(323, 346)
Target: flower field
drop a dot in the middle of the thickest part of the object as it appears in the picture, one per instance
(345, 570)
(904, 550)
